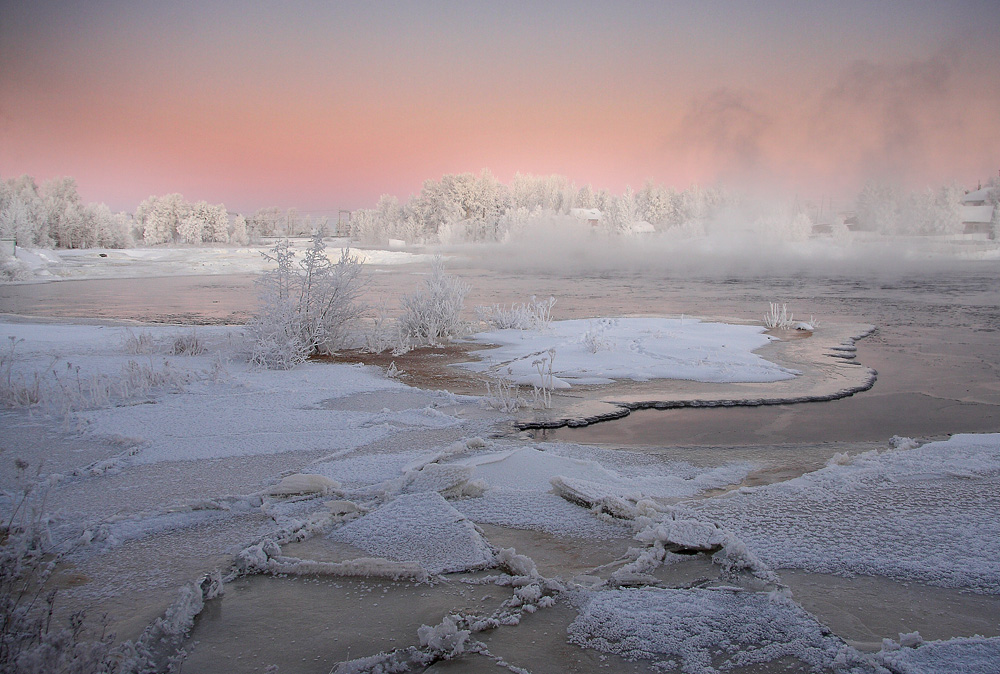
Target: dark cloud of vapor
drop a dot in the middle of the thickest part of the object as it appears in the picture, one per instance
(725, 129)
(884, 121)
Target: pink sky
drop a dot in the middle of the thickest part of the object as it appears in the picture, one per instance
(324, 106)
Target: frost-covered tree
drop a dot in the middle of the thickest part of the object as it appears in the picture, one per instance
(190, 229)
(217, 223)
(307, 308)
(657, 205)
(877, 208)
(159, 218)
(619, 213)
(17, 221)
(240, 235)
(264, 222)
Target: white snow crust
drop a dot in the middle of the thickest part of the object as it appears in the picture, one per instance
(420, 527)
(603, 350)
(705, 630)
(524, 486)
(88, 263)
(927, 513)
(975, 655)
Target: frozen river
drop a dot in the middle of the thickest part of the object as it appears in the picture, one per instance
(935, 346)
(922, 559)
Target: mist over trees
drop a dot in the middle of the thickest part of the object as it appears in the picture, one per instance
(886, 209)
(467, 208)
(457, 208)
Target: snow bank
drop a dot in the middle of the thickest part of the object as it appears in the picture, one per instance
(603, 350)
(95, 263)
(926, 513)
(420, 527)
(704, 630)
(197, 407)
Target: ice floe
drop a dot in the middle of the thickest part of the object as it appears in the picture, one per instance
(420, 527)
(925, 513)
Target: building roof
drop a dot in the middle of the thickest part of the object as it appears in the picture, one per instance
(586, 213)
(982, 194)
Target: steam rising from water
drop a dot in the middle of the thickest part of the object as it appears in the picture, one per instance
(761, 242)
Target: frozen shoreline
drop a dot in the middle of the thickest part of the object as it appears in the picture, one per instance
(176, 517)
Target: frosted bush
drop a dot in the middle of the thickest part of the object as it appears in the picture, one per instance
(136, 344)
(306, 308)
(15, 391)
(385, 334)
(434, 313)
(778, 317)
(543, 393)
(533, 315)
(30, 640)
(187, 345)
(12, 269)
(501, 392)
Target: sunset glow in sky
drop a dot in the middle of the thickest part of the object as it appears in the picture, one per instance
(324, 105)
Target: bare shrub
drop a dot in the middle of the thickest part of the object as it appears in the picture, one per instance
(15, 391)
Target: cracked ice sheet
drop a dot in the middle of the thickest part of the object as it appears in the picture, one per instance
(260, 413)
(531, 469)
(695, 629)
(520, 492)
(927, 514)
(419, 527)
(639, 349)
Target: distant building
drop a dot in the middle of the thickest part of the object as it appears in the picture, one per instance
(592, 216)
(977, 211)
(641, 227)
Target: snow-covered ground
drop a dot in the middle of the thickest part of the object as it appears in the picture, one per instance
(61, 265)
(603, 350)
(161, 458)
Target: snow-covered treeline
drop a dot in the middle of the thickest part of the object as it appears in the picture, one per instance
(887, 209)
(472, 208)
(54, 215)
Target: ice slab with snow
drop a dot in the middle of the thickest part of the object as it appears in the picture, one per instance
(707, 630)
(926, 513)
(520, 490)
(602, 350)
(421, 527)
(539, 512)
(975, 655)
(531, 469)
